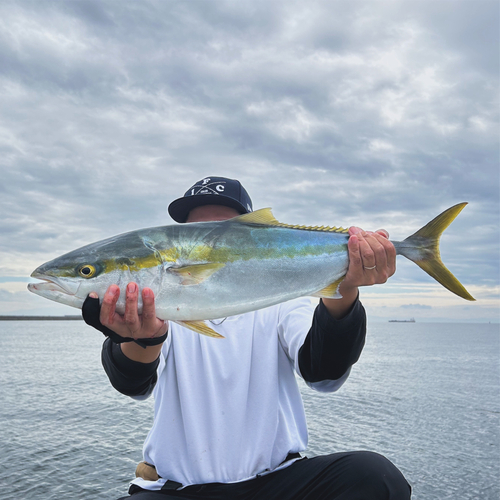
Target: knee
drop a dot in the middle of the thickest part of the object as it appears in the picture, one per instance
(372, 476)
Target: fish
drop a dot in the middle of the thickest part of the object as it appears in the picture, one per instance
(210, 270)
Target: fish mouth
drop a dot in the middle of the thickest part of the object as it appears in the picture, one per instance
(52, 285)
(59, 290)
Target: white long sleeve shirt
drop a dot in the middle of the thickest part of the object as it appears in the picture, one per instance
(229, 409)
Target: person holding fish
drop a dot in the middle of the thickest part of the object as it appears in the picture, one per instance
(229, 419)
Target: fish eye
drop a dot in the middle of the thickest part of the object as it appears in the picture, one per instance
(86, 271)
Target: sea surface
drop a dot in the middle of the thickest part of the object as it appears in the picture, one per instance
(427, 396)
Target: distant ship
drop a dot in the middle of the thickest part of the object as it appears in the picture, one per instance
(411, 320)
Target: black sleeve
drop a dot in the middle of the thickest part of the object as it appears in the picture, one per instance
(332, 346)
(126, 376)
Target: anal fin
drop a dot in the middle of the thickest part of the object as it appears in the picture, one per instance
(331, 291)
(199, 326)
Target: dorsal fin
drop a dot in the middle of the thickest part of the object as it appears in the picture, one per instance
(262, 216)
(265, 217)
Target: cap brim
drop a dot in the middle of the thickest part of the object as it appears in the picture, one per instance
(179, 209)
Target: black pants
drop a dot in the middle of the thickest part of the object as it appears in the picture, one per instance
(357, 475)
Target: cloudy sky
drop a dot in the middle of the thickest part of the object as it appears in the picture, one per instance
(356, 112)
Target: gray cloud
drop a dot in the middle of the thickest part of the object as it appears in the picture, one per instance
(374, 113)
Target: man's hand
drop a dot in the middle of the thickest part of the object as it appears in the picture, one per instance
(372, 259)
(131, 324)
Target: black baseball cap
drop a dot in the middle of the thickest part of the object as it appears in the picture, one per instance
(211, 191)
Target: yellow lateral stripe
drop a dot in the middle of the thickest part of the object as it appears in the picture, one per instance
(135, 264)
(157, 257)
(172, 254)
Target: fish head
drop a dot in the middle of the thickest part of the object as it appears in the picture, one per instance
(70, 278)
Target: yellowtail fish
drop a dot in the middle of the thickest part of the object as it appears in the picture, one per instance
(208, 270)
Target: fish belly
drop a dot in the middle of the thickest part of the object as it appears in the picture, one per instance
(249, 285)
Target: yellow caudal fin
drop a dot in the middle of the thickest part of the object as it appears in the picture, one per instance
(423, 249)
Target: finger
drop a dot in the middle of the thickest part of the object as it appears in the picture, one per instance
(383, 233)
(148, 306)
(108, 307)
(356, 275)
(354, 230)
(355, 262)
(150, 323)
(367, 252)
(380, 273)
(390, 252)
(131, 315)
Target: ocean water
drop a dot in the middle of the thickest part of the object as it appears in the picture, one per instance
(427, 396)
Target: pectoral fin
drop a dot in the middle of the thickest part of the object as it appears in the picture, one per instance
(200, 327)
(331, 291)
(196, 274)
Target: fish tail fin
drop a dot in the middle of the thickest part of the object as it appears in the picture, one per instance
(422, 248)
